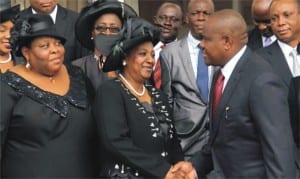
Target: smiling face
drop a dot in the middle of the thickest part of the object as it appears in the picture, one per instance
(45, 55)
(285, 24)
(169, 19)
(5, 29)
(212, 46)
(43, 6)
(140, 61)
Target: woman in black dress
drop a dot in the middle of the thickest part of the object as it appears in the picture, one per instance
(104, 17)
(7, 16)
(46, 125)
(134, 120)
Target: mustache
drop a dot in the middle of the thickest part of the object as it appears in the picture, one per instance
(162, 26)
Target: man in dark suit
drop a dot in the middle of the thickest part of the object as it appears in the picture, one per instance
(64, 20)
(250, 136)
(261, 35)
(179, 80)
(287, 31)
(279, 54)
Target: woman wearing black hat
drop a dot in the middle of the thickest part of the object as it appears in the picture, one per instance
(7, 16)
(134, 119)
(46, 125)
(104, 17)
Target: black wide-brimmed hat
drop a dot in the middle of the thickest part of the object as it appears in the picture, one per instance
(7, 12)
(135, 31)
(31, 26)
(89, 14)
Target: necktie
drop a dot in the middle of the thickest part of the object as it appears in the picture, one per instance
(296, 63)
(218, 87)
(298, 48)
(267, 41)
(202, 76)
(157, 72)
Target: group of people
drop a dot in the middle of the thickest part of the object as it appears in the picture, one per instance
(111, 95)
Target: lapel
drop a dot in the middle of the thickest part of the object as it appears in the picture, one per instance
(187, 63)
(229, 90)
(278, 62)
(60, 21)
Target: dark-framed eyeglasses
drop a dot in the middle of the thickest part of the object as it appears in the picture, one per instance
(111, 29)
(164, 18)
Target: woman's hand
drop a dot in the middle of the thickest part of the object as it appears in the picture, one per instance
(182, 170)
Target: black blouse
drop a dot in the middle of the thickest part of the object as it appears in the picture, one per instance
(44, 134)
(137, 140)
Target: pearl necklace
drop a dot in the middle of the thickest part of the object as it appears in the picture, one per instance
(6, 61)
(131, 87)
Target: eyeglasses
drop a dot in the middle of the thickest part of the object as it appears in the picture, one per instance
(172, 19)
(103, 29)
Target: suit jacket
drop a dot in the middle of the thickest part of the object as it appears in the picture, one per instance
(294, 103)
(254, 39)
(250, 133)
(65, 25)
(179, 83)
(133, 135)
(274, 56)
(90, 68)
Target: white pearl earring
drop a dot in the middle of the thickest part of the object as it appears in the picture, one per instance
(124, 63)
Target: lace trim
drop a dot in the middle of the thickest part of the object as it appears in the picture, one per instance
(76, 95)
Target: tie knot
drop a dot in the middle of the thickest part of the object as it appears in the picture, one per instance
(293, 53)
(163, 46)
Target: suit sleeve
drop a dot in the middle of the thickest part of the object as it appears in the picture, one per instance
(166, 80)
(110, 115)
(269, 105)
(202, 161)
(294, 103)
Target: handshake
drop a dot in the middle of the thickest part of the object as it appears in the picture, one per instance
(181, 170)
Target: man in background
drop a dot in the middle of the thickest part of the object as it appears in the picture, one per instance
(186, 80)
(64, 20)
(168, 19)
(261, 35)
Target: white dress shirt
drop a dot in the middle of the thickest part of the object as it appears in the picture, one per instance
(52, 14)
(193, 45)
(230, 65)
(286, 50)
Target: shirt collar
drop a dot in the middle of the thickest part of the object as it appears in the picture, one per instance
(230, 65)
(52, 14)
(193, 41)
(285, 48)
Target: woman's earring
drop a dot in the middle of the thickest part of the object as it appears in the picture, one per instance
(124, 63)
(92, 38)
(27, 65)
